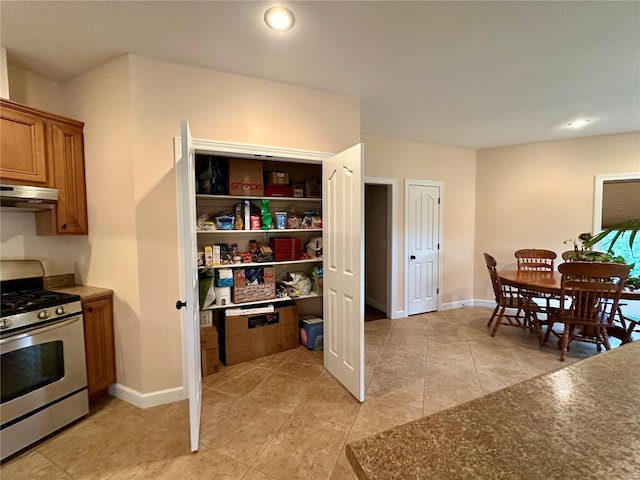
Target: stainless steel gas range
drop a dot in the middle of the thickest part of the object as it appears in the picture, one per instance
(42, 364)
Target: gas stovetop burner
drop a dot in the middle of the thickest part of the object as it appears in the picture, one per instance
(25, 304)
(12, 303)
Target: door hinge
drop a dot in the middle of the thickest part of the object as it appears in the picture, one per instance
(438, 291)
(438, 246)
(438, 200)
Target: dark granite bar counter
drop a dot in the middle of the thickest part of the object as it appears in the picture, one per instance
(579, 422)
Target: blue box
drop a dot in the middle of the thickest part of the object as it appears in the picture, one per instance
(311, 332)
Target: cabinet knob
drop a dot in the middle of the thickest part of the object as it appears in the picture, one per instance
(90, 309)
(64, 226)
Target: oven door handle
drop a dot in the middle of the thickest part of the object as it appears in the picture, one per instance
(39, 330)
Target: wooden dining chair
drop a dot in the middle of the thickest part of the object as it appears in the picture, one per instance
(535, 259)
(507, 297)
(594, 291)
(539, 260)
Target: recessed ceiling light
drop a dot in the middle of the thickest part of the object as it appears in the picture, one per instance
(279, 18)
(578, 123)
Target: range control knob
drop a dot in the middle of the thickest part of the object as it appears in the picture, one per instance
(60, 310)
(43, 314)
(5, 323)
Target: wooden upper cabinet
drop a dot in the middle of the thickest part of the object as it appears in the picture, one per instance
(68, 172)
(46, 150)
(23, 157)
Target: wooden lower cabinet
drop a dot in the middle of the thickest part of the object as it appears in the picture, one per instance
(99, 343)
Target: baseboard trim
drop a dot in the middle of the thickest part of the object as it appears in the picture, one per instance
(147, 400)
(483, 303)
(458, 304)
(380, 306)
(398, 314)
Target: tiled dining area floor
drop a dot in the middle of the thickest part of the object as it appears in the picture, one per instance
(284, 417)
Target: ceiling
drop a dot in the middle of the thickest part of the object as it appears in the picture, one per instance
(467, 74)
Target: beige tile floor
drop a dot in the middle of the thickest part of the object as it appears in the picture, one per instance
(284, 417)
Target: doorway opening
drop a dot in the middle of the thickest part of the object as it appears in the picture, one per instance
(380, 206)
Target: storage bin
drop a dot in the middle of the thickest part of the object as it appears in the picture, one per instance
(311, 332)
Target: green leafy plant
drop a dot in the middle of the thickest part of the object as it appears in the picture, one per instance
(585, 254)
(629, 226)
(633, 282)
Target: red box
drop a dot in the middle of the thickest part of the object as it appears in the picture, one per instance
(278, 191)
(285, 248)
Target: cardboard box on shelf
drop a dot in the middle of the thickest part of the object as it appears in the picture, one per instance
(254, 293)
(251, 336)
(277, 178)
(298, 190)
(242, 276)
(209, 350)
(245, 178)
(245, 288)
(313, 186)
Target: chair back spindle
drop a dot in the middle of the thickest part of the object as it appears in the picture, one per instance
(535, 259)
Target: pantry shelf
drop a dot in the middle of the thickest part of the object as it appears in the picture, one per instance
(262, 264)
(281, 230)
(202, 196)
(273, 300)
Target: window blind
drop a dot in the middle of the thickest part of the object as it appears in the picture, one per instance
(620, 201)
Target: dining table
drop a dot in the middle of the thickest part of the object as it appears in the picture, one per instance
(550, 283)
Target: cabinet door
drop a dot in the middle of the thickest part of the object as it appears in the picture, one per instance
(99, 343)
(22, 147)
(68, 165)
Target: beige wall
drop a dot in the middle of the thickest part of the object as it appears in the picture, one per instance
(132, 108)
(133, 224)
(538, 195)
(35, 90)
(456, 167)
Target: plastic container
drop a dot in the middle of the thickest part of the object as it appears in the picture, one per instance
(311, 332)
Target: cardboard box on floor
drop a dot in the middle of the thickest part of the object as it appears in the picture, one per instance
(251, 336)
(209, 350)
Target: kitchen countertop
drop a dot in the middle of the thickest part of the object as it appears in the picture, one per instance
(66, 284)
(579, 422)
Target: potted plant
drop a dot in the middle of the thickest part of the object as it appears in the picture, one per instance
(586, 254)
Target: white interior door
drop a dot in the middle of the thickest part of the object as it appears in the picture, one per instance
(422, 230)
(189, 279)
(343, 227)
